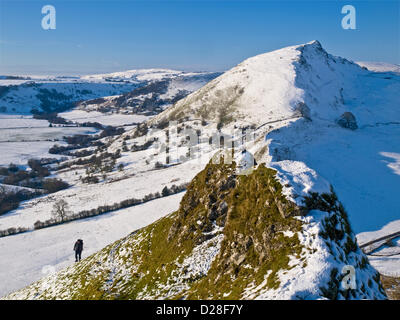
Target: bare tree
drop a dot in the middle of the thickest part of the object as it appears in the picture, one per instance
(60, 209)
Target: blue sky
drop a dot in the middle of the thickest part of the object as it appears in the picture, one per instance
(104, 36)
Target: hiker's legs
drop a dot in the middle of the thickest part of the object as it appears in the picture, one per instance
(76, 256)
(80, 253)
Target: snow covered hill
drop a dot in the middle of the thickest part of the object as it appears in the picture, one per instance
(304, 103)
(142, 75)
(151, 98)
(229, 239)
(317, 123)
(380, 66)
(46, 93)
(53, 95)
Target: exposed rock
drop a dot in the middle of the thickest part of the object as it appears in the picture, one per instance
(347, 120)
(302, 110)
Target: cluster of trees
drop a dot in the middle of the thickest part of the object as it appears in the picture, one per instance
(141, 130)
(82, 153)
(74, 142)
(143, 146)
(111, 131)
(103, 163)
(11, 231)
(35, 178)
(92, 159)
(13, 175)
(38, 167)
(51, 117)
(90, 179)
(10, 199)
(53, 101)
(92, 125)
(54, 118)
(53, 185)
(173, 189)
(80, 141)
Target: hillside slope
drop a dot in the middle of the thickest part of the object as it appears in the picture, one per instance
(46, 93)
(314, 110)
(152, 97)
(233, 237)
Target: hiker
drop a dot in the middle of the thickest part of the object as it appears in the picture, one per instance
(78, 247)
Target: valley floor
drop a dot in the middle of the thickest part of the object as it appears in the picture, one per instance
(22, 138)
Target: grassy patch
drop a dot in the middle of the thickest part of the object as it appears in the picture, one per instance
(391, 286)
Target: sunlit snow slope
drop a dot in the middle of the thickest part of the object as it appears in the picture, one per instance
(295, 97)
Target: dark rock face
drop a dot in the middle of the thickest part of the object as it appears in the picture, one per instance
(348, 121)
(302, 110)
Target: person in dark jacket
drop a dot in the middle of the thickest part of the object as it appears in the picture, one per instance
(78, 247)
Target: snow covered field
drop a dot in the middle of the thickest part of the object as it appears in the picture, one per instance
(380, 66)
(114, 119)
(23, 138)
(20, 152)
(90, 196)
(29, 256)
(386, 259)
(20, 121)
(42, 134)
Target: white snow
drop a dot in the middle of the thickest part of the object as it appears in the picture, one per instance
(26, 257)
(24, 95)
(138, 75)
(304, 280)
(21, 121)
(26, 138)
(295, 95)
(386, 259)
(298, 180)
(380, 66)
(20, 152)
(90, 196)
(113, 119)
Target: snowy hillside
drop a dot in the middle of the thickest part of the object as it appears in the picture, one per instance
(325, 134)
(141, 75)
(380, 66)
(151, 98)
(228, 240)
(49, 96)
(296, 98)
(117, 99)
(47, 93)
